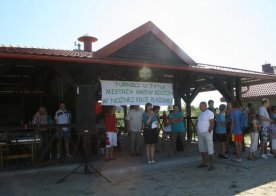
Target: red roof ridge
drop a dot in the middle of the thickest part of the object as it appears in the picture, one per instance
(138, 32)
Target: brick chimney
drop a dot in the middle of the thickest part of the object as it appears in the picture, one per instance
(87, 42)
(268, 69)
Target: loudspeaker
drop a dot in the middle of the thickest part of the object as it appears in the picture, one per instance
(85, 109)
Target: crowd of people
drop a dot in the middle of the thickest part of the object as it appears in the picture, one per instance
(218, 131)
(145, 126)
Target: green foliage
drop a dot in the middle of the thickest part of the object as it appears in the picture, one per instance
(195, 111)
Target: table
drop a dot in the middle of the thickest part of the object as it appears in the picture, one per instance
(25, 154)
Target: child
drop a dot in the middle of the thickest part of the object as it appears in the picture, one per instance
(254, 133)
(167, 135)
(101, 136)
(220, 131)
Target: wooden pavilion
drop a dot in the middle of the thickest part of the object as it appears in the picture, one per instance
(30, 77)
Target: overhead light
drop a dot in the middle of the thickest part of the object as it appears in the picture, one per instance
(145, 73)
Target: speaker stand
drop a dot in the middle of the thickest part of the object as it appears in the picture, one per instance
(87, 165)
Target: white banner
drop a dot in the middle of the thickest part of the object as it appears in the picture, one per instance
(136, 93)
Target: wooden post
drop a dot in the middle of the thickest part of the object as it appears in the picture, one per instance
(177, 95)
(230, 88)
(238, 90)
(189, 115)
(188, 97)
(177, 101)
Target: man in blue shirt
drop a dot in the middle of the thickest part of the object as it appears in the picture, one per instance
(178, 128)
(236, 129)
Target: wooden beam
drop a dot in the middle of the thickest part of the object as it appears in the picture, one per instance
(230, 86)
(195, 93)
(219, 85)
(188, 97)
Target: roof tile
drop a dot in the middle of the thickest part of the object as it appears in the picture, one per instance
(260, 90)
(45, 52)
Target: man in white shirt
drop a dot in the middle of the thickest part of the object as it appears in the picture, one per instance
(205, 126)
(265, 123)
(63, 116)
(134, 126)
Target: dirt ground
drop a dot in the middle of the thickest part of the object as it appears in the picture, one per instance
(177, 175)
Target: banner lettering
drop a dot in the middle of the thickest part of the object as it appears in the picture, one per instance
(136, 93)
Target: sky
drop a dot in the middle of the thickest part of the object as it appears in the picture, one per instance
(233, 33)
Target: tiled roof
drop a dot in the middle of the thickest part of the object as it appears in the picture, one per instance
(248, 77)
(260, 90)
(45, 52)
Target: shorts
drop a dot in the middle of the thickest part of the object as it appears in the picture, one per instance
(63, 133)
(168, 129)
(150, 136)
(265, 134)
(220, 137)
(237, 137)
(205, 142)
(111, 139)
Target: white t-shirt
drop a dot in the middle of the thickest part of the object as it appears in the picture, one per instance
(203, 123)
(63, 117)
(135, 120)
(263, 112)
